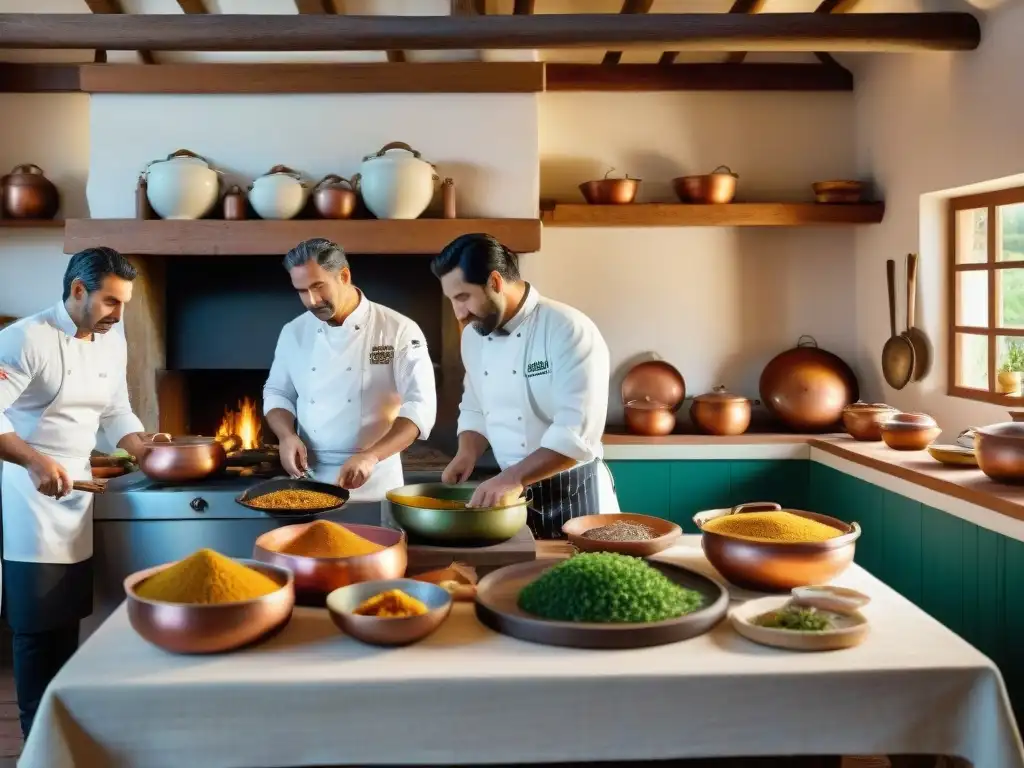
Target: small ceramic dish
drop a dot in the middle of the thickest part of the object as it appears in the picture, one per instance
(375, 630)
(954, 455)
(666, 533)
(827, 597)
(851, 627)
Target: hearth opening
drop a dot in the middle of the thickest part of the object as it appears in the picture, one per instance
(216, 403)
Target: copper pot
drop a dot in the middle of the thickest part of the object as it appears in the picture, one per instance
(332, 200)
(235, 204)
(863, 421)
(28, 194)
(610, 191)
(719, 186)
(654, 380)
(720, 412)
(182, 459)
(649, 418)
(909, 437)
(807, 388)
(1000, 451)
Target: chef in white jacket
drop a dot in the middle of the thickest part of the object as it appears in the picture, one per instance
(355, 376)
(62, 379)
(536, 388)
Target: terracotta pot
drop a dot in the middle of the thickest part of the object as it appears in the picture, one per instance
(999, 449)
(654, 380)
(1008, 382)
(910, 431)
(182, 459)
(807, 388)
(720, 412)
(649, 418)
(718, 187)
(331, 199)
(28, 194)
(863, 421)
(235, 205)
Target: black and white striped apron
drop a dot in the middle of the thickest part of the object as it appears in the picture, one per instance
(555, 501)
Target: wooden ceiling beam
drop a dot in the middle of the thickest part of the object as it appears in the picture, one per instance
(696, 77)
(192, 6)
(805, 32)
(832, 6)
(113, 7)
(628, 7)
(743, 6)
(523, 7)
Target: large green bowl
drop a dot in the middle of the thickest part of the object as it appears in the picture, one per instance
(455, 526)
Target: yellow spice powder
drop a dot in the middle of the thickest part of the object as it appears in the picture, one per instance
(772, 526)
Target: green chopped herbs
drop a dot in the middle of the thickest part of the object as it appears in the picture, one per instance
(605, 587)
(796, 617)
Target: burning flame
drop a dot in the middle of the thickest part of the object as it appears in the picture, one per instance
(246, 423)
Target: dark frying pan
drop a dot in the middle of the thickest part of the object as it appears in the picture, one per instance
(287, 484)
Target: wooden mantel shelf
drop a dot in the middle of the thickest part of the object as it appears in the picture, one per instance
(31, 223)
(208, 237)
(694, 215)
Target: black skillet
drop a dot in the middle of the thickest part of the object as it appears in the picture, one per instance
(288, 484)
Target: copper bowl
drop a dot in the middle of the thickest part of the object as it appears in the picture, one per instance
(667, 534)
(332, 200)
(720, 412)
(777, 566)
(610, 191)
(999, 449)
(209, 628)
(717, 187)
(807, 388)
(863, 421)
(649, 418)
(315, 577)
(910, 431)
(182, 459)
(342, 603)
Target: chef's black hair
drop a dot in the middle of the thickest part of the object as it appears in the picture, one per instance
(477, 255)
(92, 265)
(328, 255)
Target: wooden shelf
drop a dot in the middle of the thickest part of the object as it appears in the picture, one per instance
(31, 223)
(692, 215)
(206, 237)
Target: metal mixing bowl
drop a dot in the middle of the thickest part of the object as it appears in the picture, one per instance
(342, 603)
(448, 526)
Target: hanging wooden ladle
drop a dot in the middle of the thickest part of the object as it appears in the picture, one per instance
(898, 352)
(916, 337)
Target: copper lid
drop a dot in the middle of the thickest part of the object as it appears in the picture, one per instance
(720, 395)
(647, 404)
(654, 380)
(910, 421)
(1013, 430)
(862, 407)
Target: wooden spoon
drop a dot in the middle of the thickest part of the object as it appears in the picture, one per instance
(898, 352)
(922, 349)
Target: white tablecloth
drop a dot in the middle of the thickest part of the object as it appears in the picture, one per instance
(311, 696)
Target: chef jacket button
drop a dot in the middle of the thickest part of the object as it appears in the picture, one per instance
(518, 335)
(349, 400)
(314, 367)
(519, 418)
(513, 373)
(523, 444)
(357, 327)
(69, 371)
(485, 373)
(349, 368)
(319, 330)
(311, 400)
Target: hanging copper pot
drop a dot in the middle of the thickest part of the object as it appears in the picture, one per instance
(720, 412)
(649, 418)
(334, 197)
(807, 388)
(28, 194)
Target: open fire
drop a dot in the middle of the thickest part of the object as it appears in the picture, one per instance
(245, 423)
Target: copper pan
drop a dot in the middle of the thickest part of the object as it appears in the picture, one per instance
(717, 187)
(181, 459)
(610, 191)
(1000, 451)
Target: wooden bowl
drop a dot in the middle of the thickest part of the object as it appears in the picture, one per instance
(342, 603)
(910, 437)
(315, 577)
(214, 628)
(668, 532)
(777, 566)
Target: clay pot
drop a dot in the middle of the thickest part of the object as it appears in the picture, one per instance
(28, 194)
(999, 449)
(720, 412)
(863, 421)
(909, 431)
(807, 388)
(332, 200)
(649, 418)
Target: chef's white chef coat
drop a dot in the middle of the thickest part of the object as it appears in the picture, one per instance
(540, 381)
(56, 393)
(346, 384)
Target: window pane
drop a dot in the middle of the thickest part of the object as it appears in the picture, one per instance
(972, 236)
(1010, 364)
(1010, 305)
(972, 354)
(1011, 231)
(971, 299)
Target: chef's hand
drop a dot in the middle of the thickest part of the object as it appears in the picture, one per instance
(50, 477)
(356, 470)
(496, 492)
(459, 469)
(293, 456)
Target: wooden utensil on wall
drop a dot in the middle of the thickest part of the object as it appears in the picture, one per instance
(916, 337)
(898, 352)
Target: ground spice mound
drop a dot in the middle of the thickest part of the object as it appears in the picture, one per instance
(206, 577)
(295, 498)
(771, 526)
(326, 539)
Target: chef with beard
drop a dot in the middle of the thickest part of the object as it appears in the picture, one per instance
(352, 384)
(62, 379)
(536, 389)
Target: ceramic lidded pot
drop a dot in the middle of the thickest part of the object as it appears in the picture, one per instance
(720, 412)
(278, 194)
(863, 421)
(28, 194)
(182, 186)
(396, 182)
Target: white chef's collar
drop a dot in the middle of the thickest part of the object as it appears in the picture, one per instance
(358, 318)
(63, 319)
(529, 304)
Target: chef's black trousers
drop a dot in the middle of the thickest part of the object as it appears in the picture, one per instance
(38, 657)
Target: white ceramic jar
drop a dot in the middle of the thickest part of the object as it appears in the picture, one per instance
(182, 186)
(278, 194)
(399, 185)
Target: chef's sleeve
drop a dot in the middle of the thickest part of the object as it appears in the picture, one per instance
(118, 420)
(414, 378)
(580, 370)
(279, 390)
(17, 365)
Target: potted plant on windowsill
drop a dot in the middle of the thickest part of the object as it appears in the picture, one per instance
(1008, 379)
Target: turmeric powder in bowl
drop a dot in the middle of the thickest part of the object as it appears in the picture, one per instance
(775, 526)
(206, 577)
(392, 604)
(326, 539)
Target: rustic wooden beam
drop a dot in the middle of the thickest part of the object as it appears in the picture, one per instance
(835, 6)
(697, 77)
(39, 78)
(523, 7)
(468, 8)
(743, 6)
(192, 6)
(114, 7)
(807, 32)
(628, 6)
(314, 6)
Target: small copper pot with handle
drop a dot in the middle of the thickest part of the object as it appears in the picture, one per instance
(28, 194)
(181, 459)
(717, 187)
(334, 197)
(720, 412)
(649, 418)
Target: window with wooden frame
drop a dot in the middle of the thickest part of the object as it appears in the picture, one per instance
(986, 296)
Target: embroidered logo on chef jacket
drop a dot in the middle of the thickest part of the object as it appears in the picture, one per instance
(538, 368)
(382, 354)
(414, 343)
